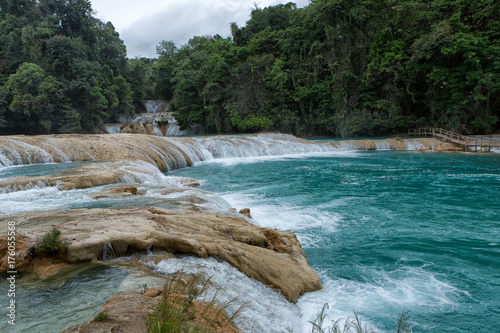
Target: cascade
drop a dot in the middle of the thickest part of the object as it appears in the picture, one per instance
(169, 153)
(160, 116)
(414, 145)
(114, 128)
(108, 252)
(153, 106)
(382, 145)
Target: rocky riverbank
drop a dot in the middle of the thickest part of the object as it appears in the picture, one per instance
(270, 256)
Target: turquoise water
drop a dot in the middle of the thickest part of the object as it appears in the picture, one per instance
(43, 306)
(34, 170)
(55, 304)
(386, 230)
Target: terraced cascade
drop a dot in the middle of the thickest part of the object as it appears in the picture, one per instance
(120, 195)
(386, 231)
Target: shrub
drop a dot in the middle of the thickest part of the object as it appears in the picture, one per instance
(50, 242)
(177, 311)
(353, 325)
(101, 316)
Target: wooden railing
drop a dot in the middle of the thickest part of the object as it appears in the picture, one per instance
(467, 142)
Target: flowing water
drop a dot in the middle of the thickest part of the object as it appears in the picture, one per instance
(386, 231)
(70, 299)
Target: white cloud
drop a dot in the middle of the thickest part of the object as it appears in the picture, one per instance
(143, 24)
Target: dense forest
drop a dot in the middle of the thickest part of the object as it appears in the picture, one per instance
(335, 67)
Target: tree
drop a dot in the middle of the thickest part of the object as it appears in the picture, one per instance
(3, 109)
(34, 100)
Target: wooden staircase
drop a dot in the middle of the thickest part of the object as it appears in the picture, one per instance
(469, 143)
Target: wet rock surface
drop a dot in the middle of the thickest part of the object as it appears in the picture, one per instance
(272, 257)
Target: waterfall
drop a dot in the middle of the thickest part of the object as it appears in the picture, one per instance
(169, 153)
(108, 252)
(113, 128)
(414, 145)
(157, 112)
(382, 145)
(154, 106)
(16, 152)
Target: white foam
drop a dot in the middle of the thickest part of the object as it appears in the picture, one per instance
(40, 198)
(283, 215)
(384, 292)
(206, 201)
(113, 128)
(31, 153)
(154, 106)
(140, 172)
(312, 225)
(382, 145)
(414, 145)
(264, 310)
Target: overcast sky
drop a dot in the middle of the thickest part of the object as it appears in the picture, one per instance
(143, 24)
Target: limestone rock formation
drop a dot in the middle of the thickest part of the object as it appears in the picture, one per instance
(246, 212)
(272, 257)
(165, 154)
(126, 312)
(157, 151)
(116, 192)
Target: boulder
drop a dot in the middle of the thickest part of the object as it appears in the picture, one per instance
(189, 182)
(270, 256)
(135, 129)
(116, 192)
(246, 212)
(126, 312)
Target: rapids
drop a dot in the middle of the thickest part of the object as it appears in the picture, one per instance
(170, 153)
(386, 227)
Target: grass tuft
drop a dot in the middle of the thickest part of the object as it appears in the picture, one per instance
(50, 242)
(178, 311)
(352, 325)
(101, 316)
(403, 326)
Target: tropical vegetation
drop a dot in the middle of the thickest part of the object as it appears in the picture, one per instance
(335, 67)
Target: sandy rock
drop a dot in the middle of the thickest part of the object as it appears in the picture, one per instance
(445, 147)
(111, 147)
(22, 253)
(116, 192)
(149, 128)
(88, 175)
(163, 127)
(172, 191)
(189, 182)
(246, 212)
(272, 257)
(134, 129)
(127, 312)
(27, 260)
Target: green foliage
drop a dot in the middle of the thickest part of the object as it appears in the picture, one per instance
(101, 316)
(35, 100)
(50, 242)
(345, 68)
(336, 67)
(251, 122)
(177, 314)
(75, 78)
